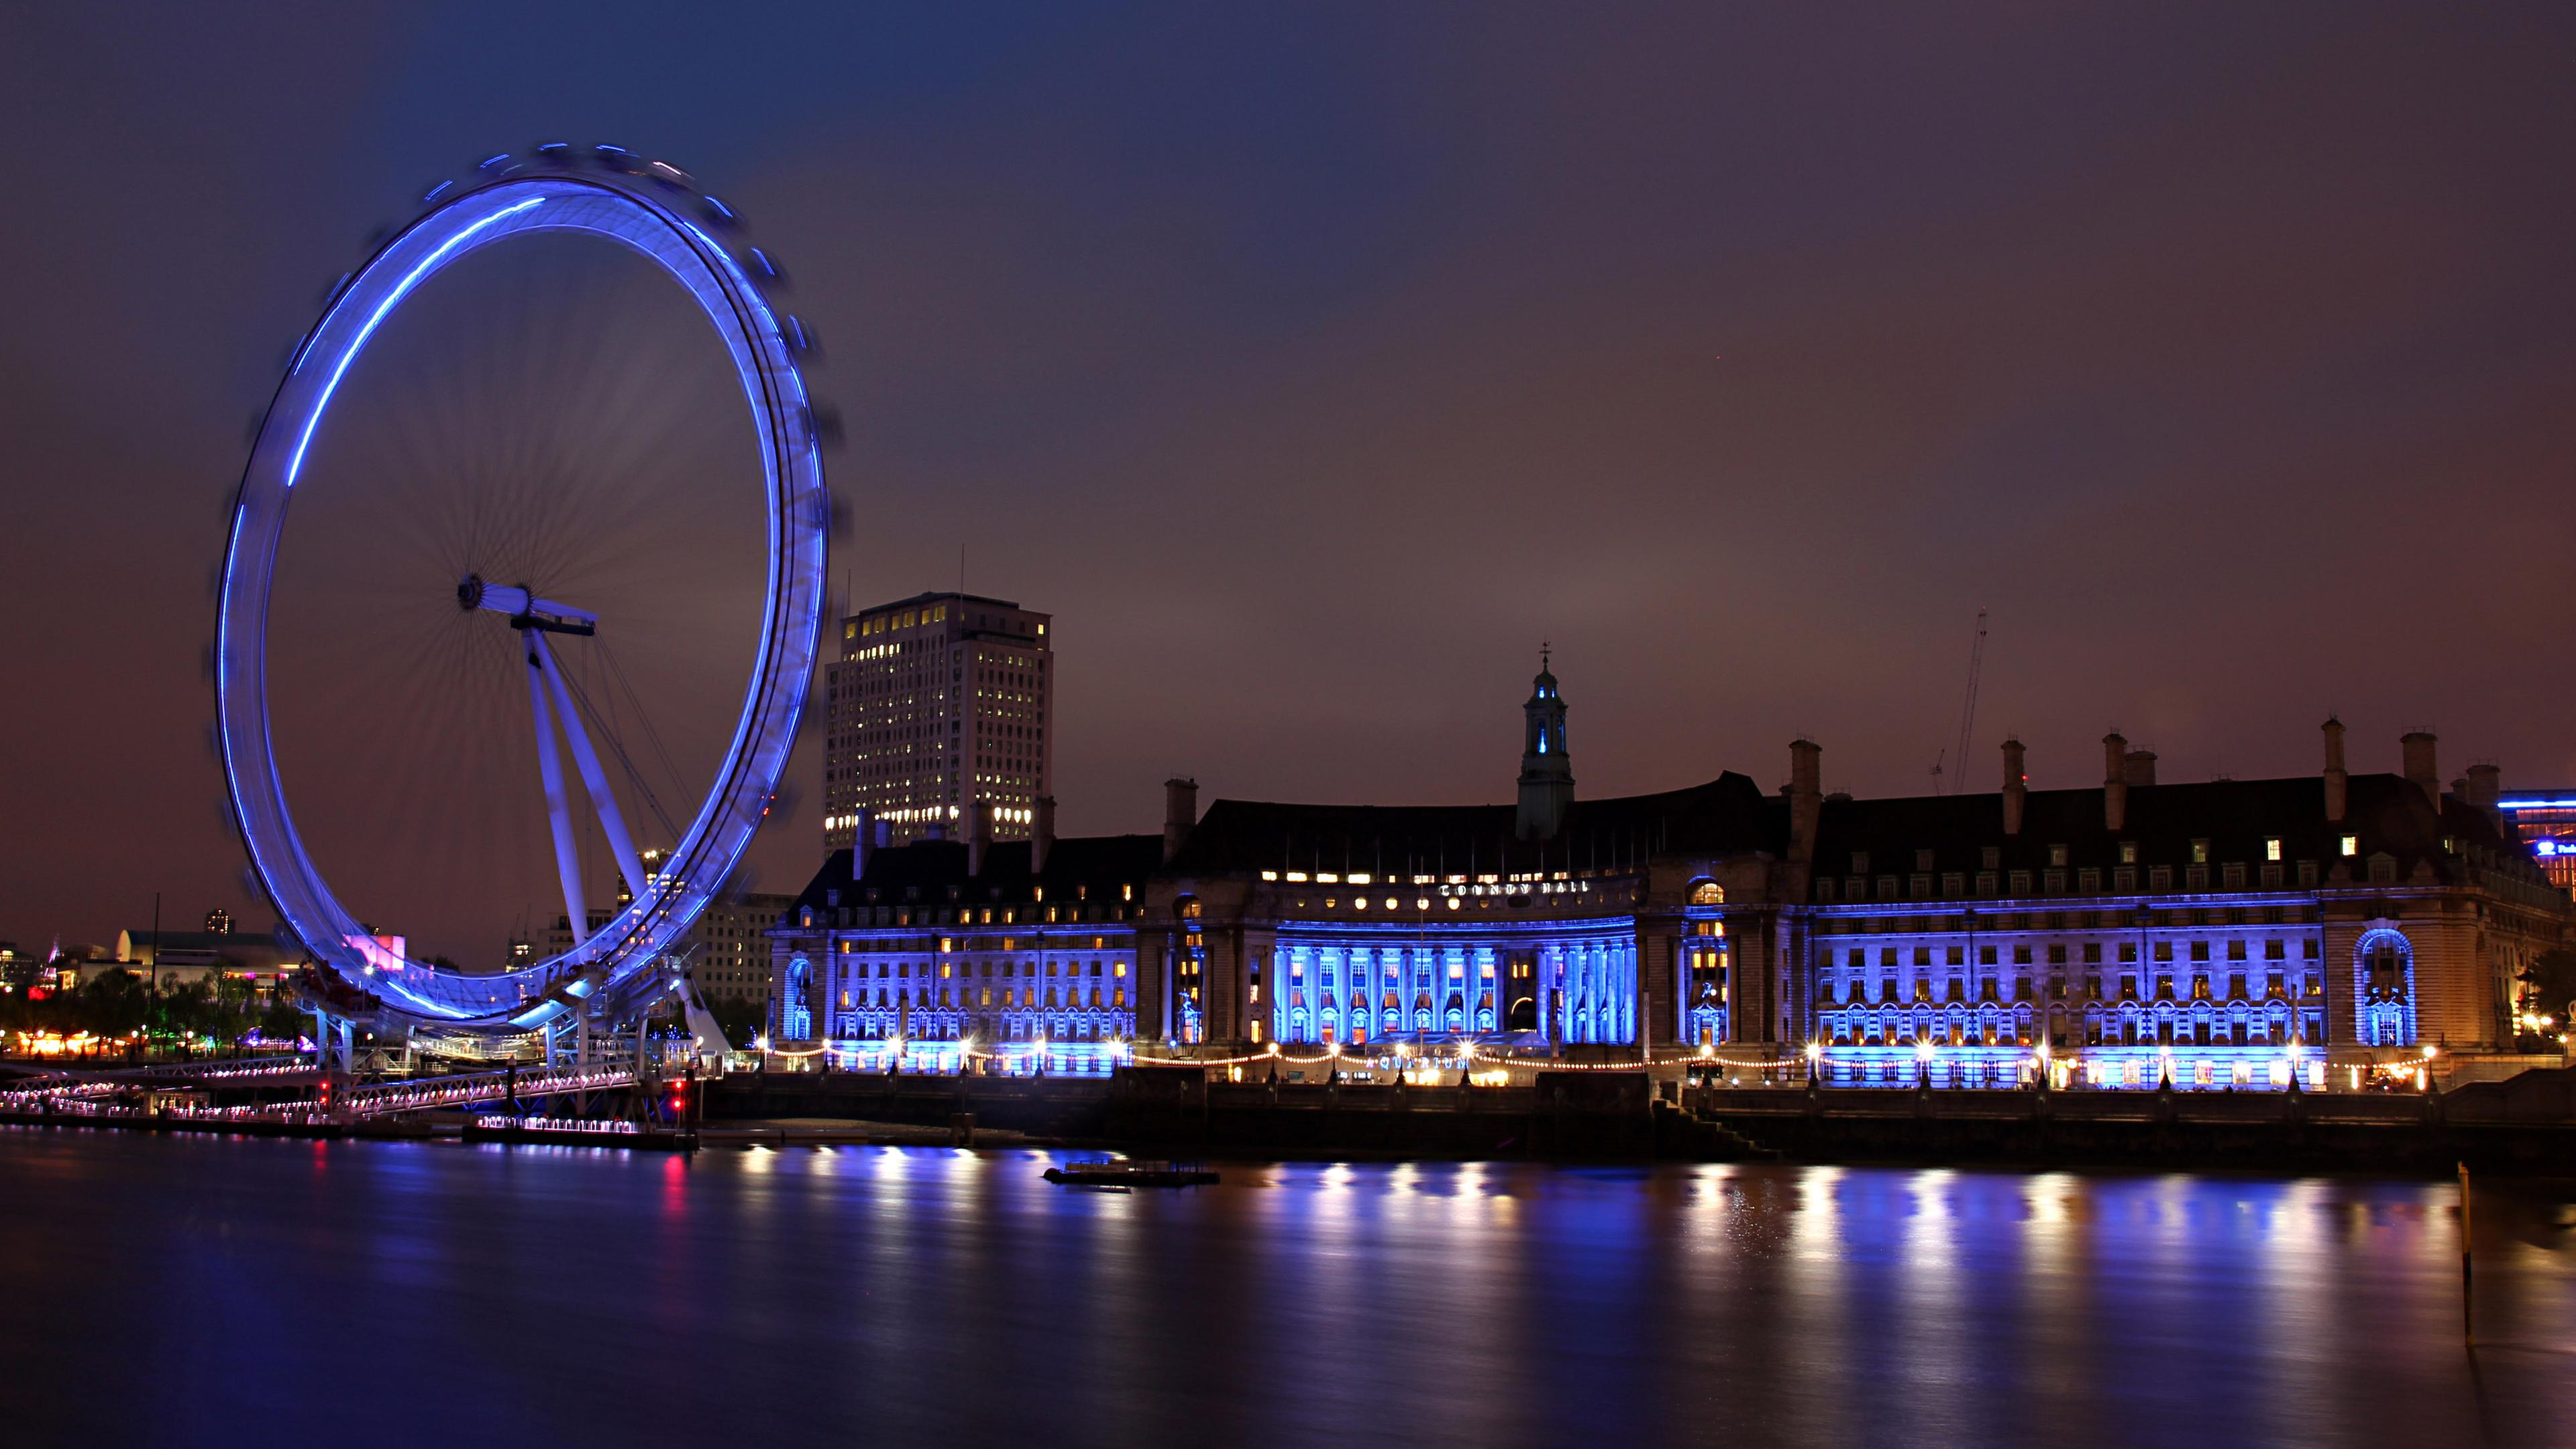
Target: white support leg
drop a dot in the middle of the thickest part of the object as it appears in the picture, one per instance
(567, 857)
(593, 778)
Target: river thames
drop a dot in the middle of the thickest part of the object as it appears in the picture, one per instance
(197, 1290)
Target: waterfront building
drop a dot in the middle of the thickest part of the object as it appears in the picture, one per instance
(949, 951)
(2228, 934)
(937, 702)
(179, 957)
(2545, 820)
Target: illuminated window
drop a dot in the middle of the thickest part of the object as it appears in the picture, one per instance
(2352, 845)
(2272, 847)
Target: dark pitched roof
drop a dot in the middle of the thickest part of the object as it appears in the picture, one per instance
(1724, 816)
(2234, 816)
(931, 867)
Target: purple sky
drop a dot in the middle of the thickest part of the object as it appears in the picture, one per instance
(1311, 364)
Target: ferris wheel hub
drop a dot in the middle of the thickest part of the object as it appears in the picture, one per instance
(524, 608)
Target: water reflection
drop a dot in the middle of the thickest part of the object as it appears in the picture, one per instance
(420, 1293)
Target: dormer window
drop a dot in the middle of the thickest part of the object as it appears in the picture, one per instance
(2057, 856)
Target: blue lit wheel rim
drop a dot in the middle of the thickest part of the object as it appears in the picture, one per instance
(356, 978)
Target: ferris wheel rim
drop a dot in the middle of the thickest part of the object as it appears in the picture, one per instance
(630, 209)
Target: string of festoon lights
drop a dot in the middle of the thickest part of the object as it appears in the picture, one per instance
(1818, 1055)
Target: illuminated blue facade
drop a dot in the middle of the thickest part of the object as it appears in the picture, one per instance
(1555, 982)
(2228, 935)
(943, 951)
(1978, 993)
(2233, 935)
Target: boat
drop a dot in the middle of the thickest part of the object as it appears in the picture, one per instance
(1129, 1174)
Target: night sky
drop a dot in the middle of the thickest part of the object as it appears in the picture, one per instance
(1312, 364)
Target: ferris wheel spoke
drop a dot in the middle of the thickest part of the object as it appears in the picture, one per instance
(558, 809)
(593, 778)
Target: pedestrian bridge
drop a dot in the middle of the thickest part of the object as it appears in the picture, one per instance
(94, 1097)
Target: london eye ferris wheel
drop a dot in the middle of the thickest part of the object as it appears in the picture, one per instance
(522, 595)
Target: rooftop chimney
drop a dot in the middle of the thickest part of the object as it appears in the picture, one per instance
(2421, 770)
(2016, 786)
(1180, 814)
(2486, 791)
(1806, 797)
(1042, 834)
(2139, 768)
(979, 836)
(2115, 782)
(863, 838)
(2337, 781)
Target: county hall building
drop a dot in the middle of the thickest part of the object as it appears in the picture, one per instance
(2220, 934)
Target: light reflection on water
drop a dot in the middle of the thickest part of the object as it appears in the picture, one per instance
(192, 1290)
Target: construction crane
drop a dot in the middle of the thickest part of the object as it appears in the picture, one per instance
(1968, 711)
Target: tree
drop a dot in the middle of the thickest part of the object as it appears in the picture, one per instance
(281, 1022)
(2551, 980)
(742, 1017)
(113, 1004)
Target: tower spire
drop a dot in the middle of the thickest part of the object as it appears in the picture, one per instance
(1547, 773)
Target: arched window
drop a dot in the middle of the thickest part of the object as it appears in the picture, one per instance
(795, 1012)
(2384, 978)
(1707, 893)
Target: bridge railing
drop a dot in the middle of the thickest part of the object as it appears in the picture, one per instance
(472, 1087)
